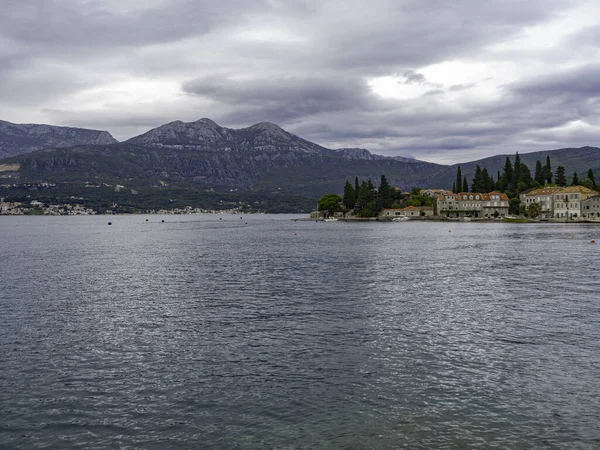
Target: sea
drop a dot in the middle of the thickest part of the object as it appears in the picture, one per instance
(261, 332)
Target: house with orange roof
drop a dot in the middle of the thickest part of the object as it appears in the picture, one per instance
(473, 204)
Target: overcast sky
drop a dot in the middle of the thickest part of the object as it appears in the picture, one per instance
(443, 81)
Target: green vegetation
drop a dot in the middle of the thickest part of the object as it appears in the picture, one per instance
(369, 201)
(105, 198)
(516, 178)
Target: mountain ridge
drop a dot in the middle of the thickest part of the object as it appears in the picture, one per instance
(262, 156)
(16, 139)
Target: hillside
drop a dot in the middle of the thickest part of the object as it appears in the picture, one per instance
(17, 139)
(578, 160)
(201, 153)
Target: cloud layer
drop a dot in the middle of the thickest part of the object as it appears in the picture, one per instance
(439, 81)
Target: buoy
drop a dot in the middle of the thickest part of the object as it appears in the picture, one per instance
(241, 218)
(146, 220)
(295, 234)
(220, 218)
(449, 231)
(110, 223)
(246, 223)
(593, 241)
(162, 220)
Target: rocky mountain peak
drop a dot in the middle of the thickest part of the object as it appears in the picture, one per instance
(16, 139)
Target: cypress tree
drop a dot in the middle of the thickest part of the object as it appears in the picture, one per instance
(365, 194)
(458, 180)
(465, 185)
(560, 177)
(356, 190)
(590, 175)
(539, 177)
(517, 169)
(478, 181)
(525, 177)
(454, 187)
(548, 170)
(575, 179)
(507, 175)
(488, 182)
(349, 196)
(384, 199)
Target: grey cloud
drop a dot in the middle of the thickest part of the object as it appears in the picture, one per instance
(282, 98)
(580, 81)
(313, 84)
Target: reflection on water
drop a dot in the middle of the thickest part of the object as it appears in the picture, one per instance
(208, 333)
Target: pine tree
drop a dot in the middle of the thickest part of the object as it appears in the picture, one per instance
(507, 175)
(349, 196)
(560, 177)
(525, 180)
(548, 170)
(516, 177)
(384, 199)
(458, 180)
(365, 194)
(465, 185)
(539, 173)
(575, 179)
(356, 190)
(488, 182)
(478, 180)
(590, 175)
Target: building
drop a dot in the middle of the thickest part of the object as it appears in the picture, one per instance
(543, 196)
(409, 211)
(590, 208)
(434, 192)
(473, 204)
(567, 202)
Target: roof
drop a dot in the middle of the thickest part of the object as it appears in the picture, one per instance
(418, 208)
(577, 190)
(543, 191)
(482, 196)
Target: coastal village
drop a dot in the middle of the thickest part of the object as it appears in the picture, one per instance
(576, 203)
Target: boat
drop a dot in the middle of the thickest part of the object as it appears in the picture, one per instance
(465, 219)
(514, 219)
(400, 219)
(331, 219)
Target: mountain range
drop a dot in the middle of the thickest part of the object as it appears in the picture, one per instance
(16, 139)
(262, 157)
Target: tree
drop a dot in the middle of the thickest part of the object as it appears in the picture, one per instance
(534, 210)
(548, 170)
(459, 179)
(384, 199)
(588, 184)
(525, 178)
(465, 185)
(349, 196)
(356, 189)
(516, 177)
(454, 187)
(507, 175)
(539, 177)
(488, 182)
(330, 203)
(365, 194)
(590, 175)
(560, 177)
(575, 179)
(478, 181)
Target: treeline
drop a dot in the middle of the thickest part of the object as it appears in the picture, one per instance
(366, 200)
(516, 177)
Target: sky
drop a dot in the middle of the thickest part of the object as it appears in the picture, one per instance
(436, 80)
